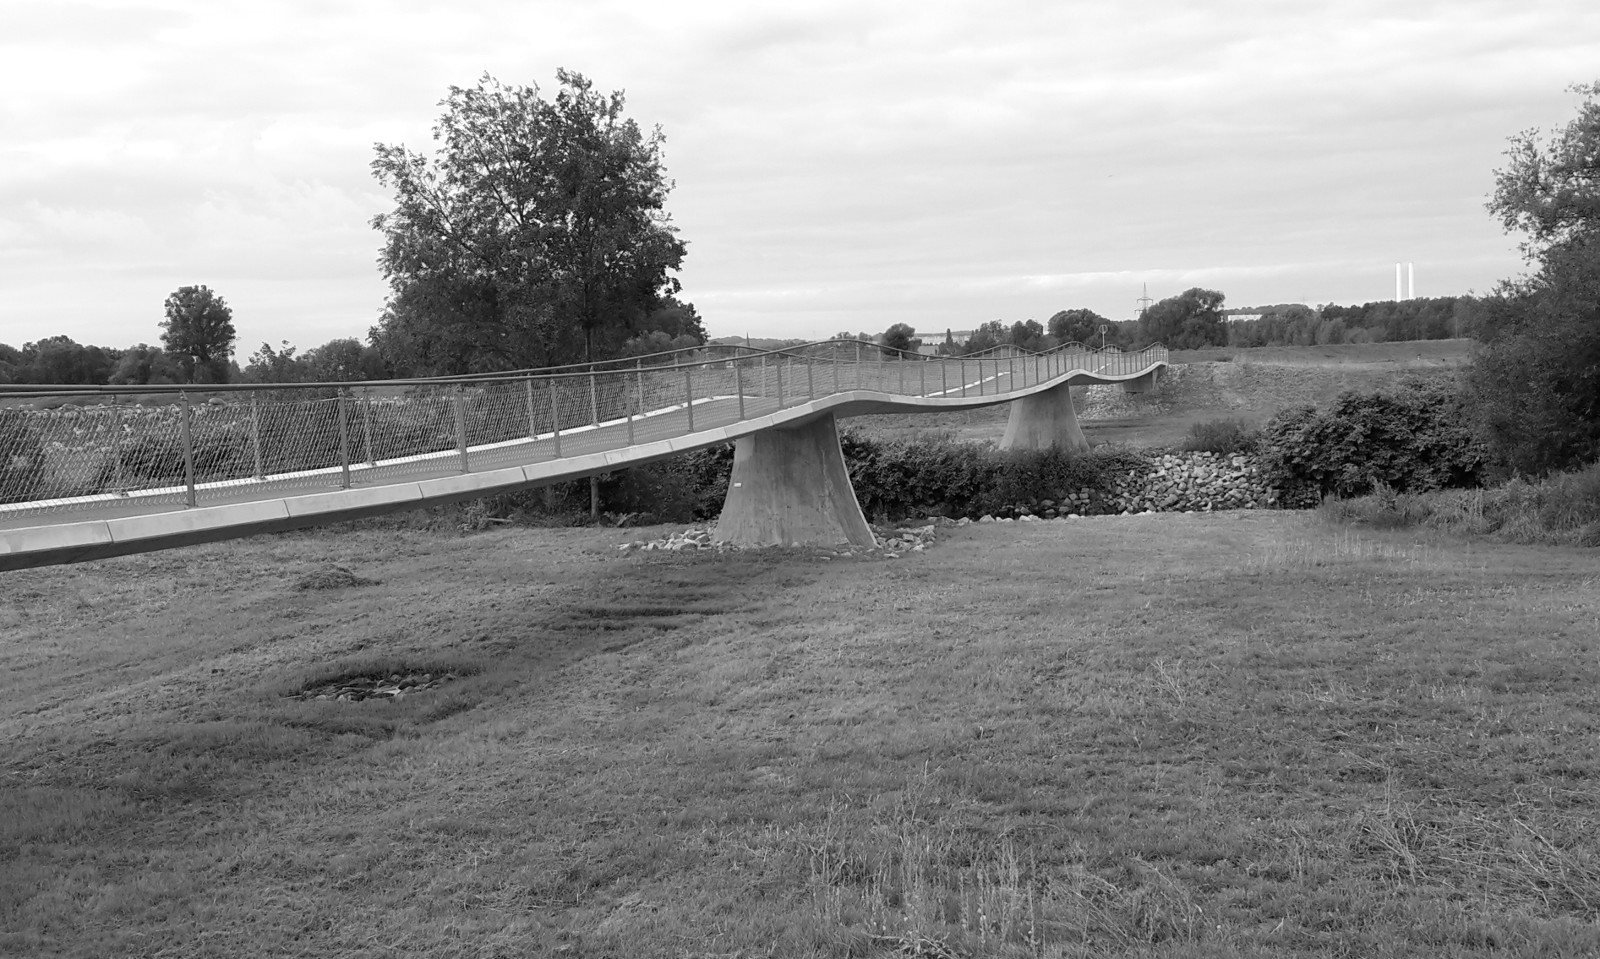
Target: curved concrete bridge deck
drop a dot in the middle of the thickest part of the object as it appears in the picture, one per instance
(151, 468)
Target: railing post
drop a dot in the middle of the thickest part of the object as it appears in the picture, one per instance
(963, 362)
(688, 394)
(594, 398)
(461, 426)
(900, 367)
(533, 422)
(811, 383)
(778, 369)
(255, 433)
(638, 375)
(922, 372)
(943, 366)
(833, 354)
(366, 424)
(188, 449)
(344, 439)
(555, 420)
(860, 373)
(738, 384)
(763, 375)
(1011, 373)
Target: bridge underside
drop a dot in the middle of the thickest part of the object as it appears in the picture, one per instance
(789, 485)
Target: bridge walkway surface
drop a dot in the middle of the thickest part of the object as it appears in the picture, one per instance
(88, 473)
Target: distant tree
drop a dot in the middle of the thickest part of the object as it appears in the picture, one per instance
(336, 361)
(536, 236)
(986, 337)
(10, 363)
(1190, 320)
(1081, 326)
(1536, 381)
(1026, 335)
(659, 341)
(268, 365)
(199, 331)
(900, 338)
(144, 364)
(676, 319)
(62, 360)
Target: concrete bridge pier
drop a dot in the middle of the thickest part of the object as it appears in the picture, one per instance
(1043, 420)
(1141, 384)
(790, 487)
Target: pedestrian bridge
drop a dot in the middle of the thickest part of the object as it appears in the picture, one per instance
(93, 472)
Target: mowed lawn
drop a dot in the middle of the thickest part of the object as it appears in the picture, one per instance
(1243, 734)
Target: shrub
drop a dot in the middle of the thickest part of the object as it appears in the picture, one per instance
(1562, 509)
(1222, 437)
(1413, 438)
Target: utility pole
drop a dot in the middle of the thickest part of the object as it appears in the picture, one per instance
(1144, 301)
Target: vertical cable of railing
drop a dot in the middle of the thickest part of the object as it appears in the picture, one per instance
(461, 426)
(533, 419)
(255, 435)
(344, 439)
(688, 394)
(738, 385)
(778, 366)
(594, 399)
(188, 449)
(811, 381)
(366, 425)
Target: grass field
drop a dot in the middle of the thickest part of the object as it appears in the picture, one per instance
(1241, 734)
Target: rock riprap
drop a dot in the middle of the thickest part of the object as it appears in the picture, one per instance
(890, 541)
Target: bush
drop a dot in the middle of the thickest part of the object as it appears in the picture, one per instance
(1222, 437)
(1413, 439)
(1562, 509)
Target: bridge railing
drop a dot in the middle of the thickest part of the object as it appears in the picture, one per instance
(65, 449)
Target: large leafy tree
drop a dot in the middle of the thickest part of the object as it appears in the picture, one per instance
(198, 331)
(1537, 378)
(1190, 320)
(537, 234)
(1081, 326)
(900, 338)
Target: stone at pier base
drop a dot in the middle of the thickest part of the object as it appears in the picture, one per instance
(790, 487)
(1043, 420)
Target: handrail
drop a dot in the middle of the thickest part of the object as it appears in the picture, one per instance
(317, 435)
(619, 364)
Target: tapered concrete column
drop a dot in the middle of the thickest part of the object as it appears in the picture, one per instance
(790, 487)
(1141, 384)
(1043, 420)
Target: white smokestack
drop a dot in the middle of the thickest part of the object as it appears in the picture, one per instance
(1411, 281)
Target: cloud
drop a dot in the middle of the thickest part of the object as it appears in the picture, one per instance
(873, 161)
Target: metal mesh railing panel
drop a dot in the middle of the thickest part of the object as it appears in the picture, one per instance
(96, 448)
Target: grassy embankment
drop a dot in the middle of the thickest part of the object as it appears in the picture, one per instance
(1246, 734)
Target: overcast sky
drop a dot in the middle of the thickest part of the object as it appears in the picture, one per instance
(839, 166)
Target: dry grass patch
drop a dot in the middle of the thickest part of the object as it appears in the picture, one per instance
(1243, 734)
